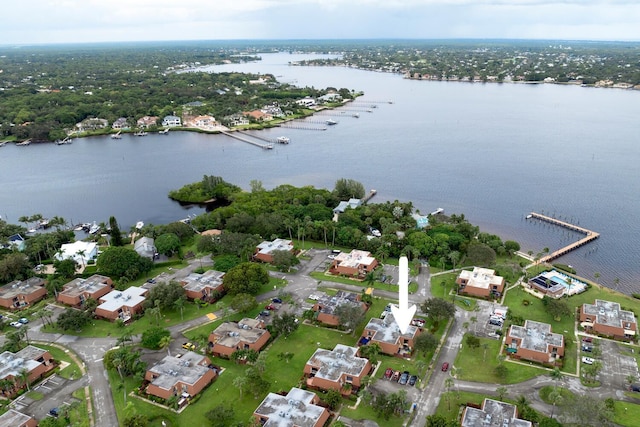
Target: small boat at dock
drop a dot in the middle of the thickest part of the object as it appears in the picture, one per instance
(94, 228)
(23, 143)
(331, 122)
(140, 133)
(164, 132)
(3, 143)
(283, 140)
(355, 115)
(117, 135)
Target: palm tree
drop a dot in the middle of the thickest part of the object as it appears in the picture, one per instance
(179, 304)
(448, 383)
(24, 378)
(81, 253)
(240, 382)
(502, 392)
(165, 341)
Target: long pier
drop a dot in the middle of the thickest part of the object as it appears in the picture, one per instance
(239, 138)
(289, 125)
(589, 236)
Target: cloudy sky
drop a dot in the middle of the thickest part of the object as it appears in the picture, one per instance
(68, 21)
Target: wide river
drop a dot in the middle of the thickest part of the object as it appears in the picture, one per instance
(494, 152)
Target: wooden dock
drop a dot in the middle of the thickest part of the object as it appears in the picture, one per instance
(589, 236)
(289, 125)
(249, 141)
(369, 196)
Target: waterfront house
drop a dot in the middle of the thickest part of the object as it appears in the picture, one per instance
(299, 408)
(356, 263)
(20, 294)
(264, 251)
(13, 418)
(326, 305)
(535, 342)
(184, 376)
(120, 123)
(146, 121)
(247, 334)
(79, 290)
(34, 360)
(206, 287)
(145, 247)
(330, 97)
(236, 120)
(15, 242)
(386, 333)
(608, 319)
(121, 304)
(493, 413)
(332, 369)
(80, 251)
(92, 124)
(258, 116)
(306, 102)
(171, 121)
(481, 282)
(547, 284)
(344, 205)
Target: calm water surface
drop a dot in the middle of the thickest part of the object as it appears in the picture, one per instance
(493, 152)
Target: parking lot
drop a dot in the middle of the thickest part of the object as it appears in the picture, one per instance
(616, 366)
(57, 393)
(482, 327)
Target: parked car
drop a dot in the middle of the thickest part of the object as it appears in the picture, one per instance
(404, 378)
(418, 322)
(587, 360)
(265, 313)
(23, 320)
(388, 373)
(587, 348)
(189, 346)
(54, 412)
(634, 387)
(396, 376)
(445, 366)
(270, 307)
(276, 300)
(587, 339)
(16, 324)
(413, 379)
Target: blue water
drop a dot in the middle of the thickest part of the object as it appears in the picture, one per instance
(494, 152)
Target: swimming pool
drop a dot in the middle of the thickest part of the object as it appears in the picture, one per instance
(572, 286)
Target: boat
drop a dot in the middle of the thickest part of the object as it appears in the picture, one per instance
(140, 133)
(356, 115)
(64, 141)
(164, 132)
(117, 135)
(437, 211)
(139, 225)
(23, 143)
(283, 140)
(269, 146)
(529, 216)
(31, 230)
(43, 223)
(331, 122)
(3, 143)
(94, 228)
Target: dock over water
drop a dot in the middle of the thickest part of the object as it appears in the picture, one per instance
(249, 141)
(589, 236)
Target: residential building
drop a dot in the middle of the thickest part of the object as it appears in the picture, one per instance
(81, 252)
(493, 413)
(122, 304)
(145, 247)
(344, 205)
(264, 251)
(326, 306)
(120, 123)
(356, 263)
(13, 418)
(16, 242)
(201, 122)
(299, 408)
(330, 97)
(22, 293)
(386, 333)
(36, 361)
(184, 376)
(146, 121)
(332, 369)
(258, 116)
(306, 102)
(535, 342)
(206, 287)
(247, 334)
(607, 318)
(481, 282)
(547, 285)
(171, 121)
(77, 291)
(236, 120)
(92, 124)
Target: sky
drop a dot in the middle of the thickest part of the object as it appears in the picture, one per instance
(73, 21)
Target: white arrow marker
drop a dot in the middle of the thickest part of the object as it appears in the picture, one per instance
(403, 313)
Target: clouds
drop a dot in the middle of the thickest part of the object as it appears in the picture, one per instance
(50, 21)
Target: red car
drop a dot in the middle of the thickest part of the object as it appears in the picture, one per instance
(270, 307)
(388, 373)
(445, 366)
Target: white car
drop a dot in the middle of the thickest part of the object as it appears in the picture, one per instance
(587, 360)
(16, 324)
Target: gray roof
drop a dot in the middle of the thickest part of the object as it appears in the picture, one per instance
(13, 418)
(387, 330)
(609, 313)
(12, 363)
(230, 334)
(332, 364)
(90, 285)
(536, 336)
(145, 246)
(21, 287)
(293, 410)
(342, 206)
(267, 247)
(171, 370)
(493, 414)
(198, 282)
(328, 303)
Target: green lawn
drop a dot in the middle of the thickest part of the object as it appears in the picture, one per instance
(451, 402)
(70, 372)
(626, 413)
(470, 360)
(443, 284)
(365, 412)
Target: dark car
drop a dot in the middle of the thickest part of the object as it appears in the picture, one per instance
(587, 348)
(413, 379)
(445, 366)
(404, 378)
(276, 300)
(265, 313)
(587, 339)
(54, 412)
(388, 373)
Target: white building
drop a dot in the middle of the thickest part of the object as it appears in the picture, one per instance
(81, 252)
(171, 121)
